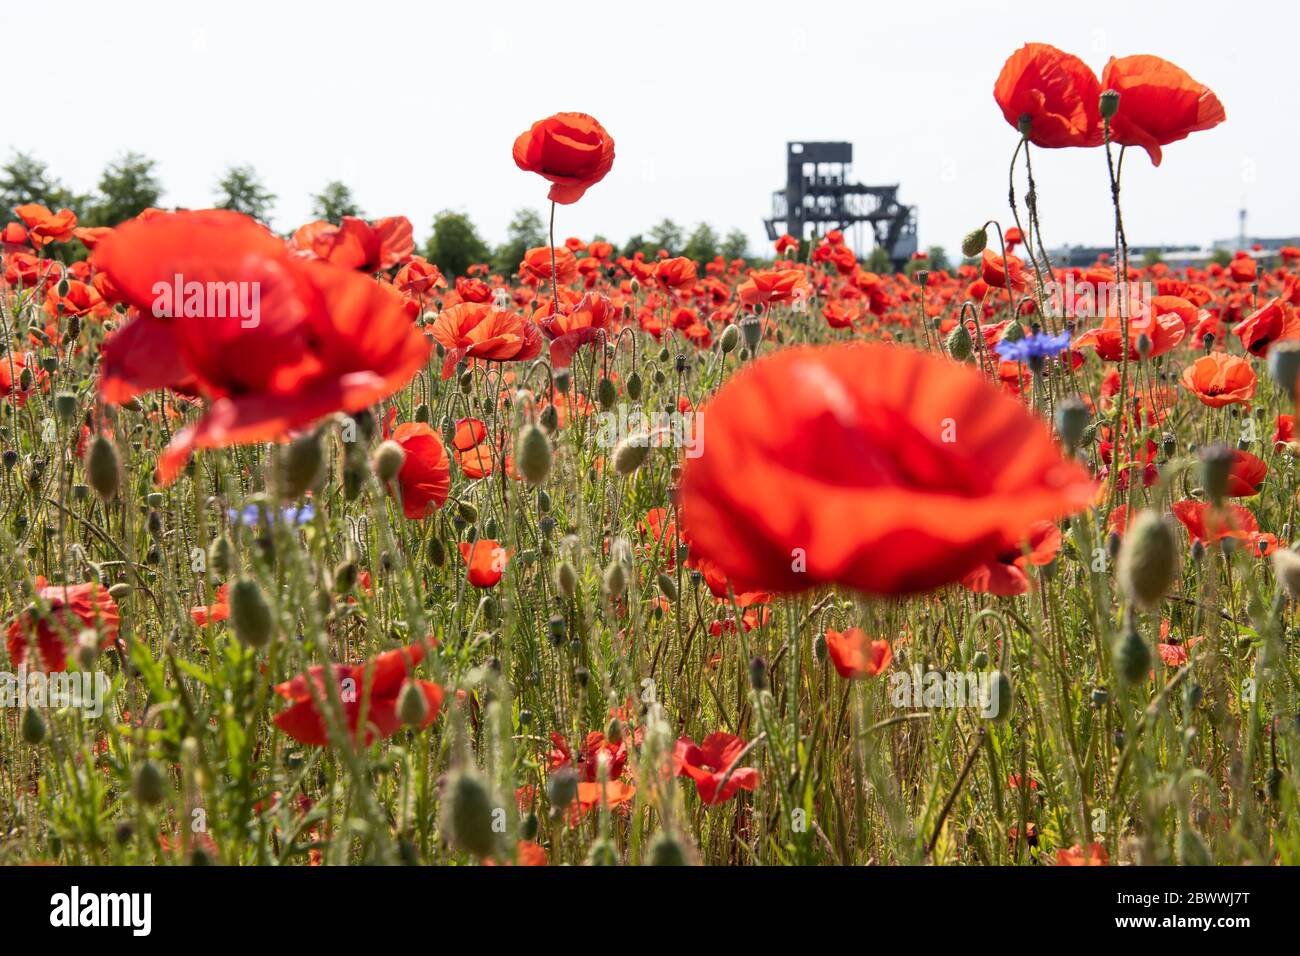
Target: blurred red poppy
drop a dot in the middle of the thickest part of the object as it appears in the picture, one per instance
(486, 561)
(940, 471)
(55, 619)
(855, 655)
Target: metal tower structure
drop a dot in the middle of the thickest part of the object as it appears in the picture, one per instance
(818, 193)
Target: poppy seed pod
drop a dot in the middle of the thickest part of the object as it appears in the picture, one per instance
(615, 578)
(221, 555)
(303, 461)
(1132, 656)
(467, 814)
(606, 393)
(668, 586)
(974, 242)
(388, 460)
(634, 386)
(729, 339)
(412, 705)
(533, 454)
(1286, 567)
(631, 453)
(250, 614)
(65, 406)
(103, 468)
(1148, 560)
(33, 728)
(752, 329)
(1108, 103)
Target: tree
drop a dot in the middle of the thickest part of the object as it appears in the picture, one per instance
(666, 235)
(636, 244)
(735, 246)
(26, 179)
(1221, 257)
(127, 187)
(1151, 257)
(879, 261)
(939, 259)
(242, 190)
(334, 202)
(526, 231)
(455, 244)
(702, 246)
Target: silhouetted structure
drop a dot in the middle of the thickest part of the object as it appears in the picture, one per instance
(818, 193)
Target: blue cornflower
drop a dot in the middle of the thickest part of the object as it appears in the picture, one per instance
(1034, 349)
(252, 515)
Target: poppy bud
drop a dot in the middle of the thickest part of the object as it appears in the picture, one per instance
(436, 552)
(1002, 694)
(388, 460)
(1143, 345)
(1100, 697)
(1286, 568)
(468, 513)
(631, 453)
(606, 394)
(563, 379)
(566, 579)
(354, 475)
(820, 650)
(1168, 444)
(758, 673)
(422, 413)
(980, 660)
(1132, 656)
(1284, 365)
(634, 386)
(602, 853)
(1148, 560)
(303, 461)
(975, 242)
(149, 784)
(65, 406)
(1014, 332)
(25, 380)
(666, 850)
(345, 576)
(533, 454)
(1108, 104)
(412, 705)
(33, 726)
(561, 788)
(1216, 468)
(752, 329)
(103, 468)
(614, 731)
(668, 586)
(1072, 419)
(250, 614)
(959, 342)
(221, 556)
(729, 339)
(120, 591)
(528, 829)
(615, 579)
(467, 814)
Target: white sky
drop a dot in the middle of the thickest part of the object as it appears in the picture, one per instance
(416, 105)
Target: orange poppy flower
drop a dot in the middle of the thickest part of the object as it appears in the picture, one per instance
(1163, 333)
(1220, 379)
(855, 655)
(1274, 321)
(44, 227)
(773, 286)
(537, 264)
(1056, 91)
(676, 273)
(357, 244)
(1159, 103)
(477, 330)
(571, 150)
(941, 470)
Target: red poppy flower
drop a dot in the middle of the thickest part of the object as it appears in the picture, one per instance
(994, 269)
(376, 684)
(571, 150)
(1163, 333)
(477, 330)
(419, 277)
(1005, 576)
(44, 227)
(1056, 91)
(941, 471)
(773, 286)
(676, 273)
(1272, 322)
(855, 655)
(1283, 431)
(537, 264)
(1220, 379)
(1246, 475)
(11, 375)
(1207, 524)
(486, 561)
(587, 761)
(425, 476)
(218, 610)
(1093, 855)
(707, 764)
(357, 244)
(56, 617)
(324, 339)
(1159, 103)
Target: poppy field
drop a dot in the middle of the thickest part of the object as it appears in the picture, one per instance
(316, 553)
